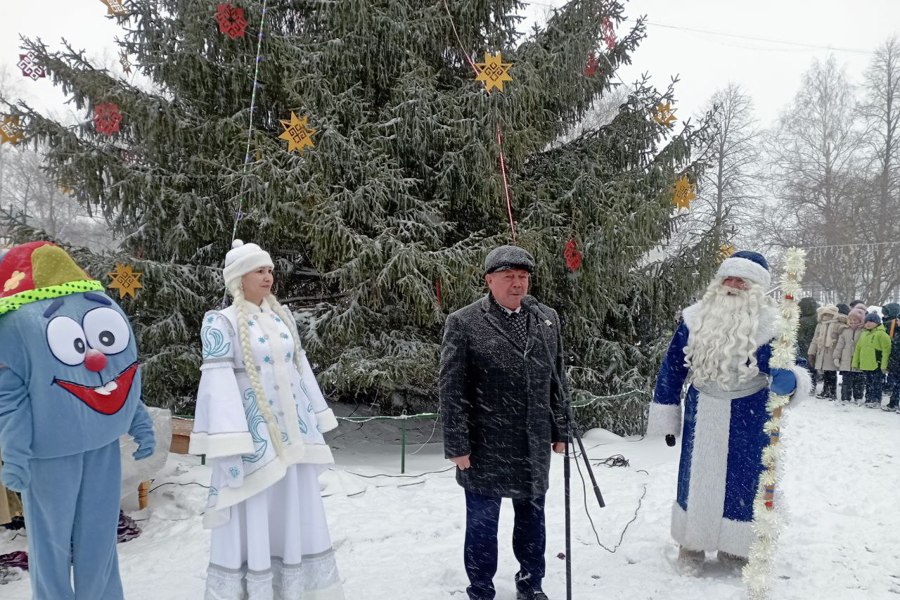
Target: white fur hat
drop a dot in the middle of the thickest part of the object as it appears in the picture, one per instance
(748, 265)
(242, 259)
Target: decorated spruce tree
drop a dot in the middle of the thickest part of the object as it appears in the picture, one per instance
(389, 146)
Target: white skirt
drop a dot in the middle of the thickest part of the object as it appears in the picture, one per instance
(276, 545)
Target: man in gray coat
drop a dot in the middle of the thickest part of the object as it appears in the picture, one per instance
(503, 409)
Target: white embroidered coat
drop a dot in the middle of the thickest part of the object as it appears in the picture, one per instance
(228, 426)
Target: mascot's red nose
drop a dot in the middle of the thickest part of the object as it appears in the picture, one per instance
(95, 361)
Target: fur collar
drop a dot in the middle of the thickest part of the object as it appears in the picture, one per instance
(768, 319)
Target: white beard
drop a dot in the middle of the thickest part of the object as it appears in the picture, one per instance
(723, 341)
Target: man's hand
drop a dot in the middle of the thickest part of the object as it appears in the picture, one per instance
(462, 462)
(559, 447)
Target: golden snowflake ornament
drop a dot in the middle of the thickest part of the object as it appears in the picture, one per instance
(665, 114)
(684, 193)
(493, 72)
(115, 7)
(10, 130)
(726, 250)
(125, 280)
(298, 133)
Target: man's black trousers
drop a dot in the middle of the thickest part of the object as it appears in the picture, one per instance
(529, 542)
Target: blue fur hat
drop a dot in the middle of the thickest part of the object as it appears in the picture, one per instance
(873, 317)
(748, 265)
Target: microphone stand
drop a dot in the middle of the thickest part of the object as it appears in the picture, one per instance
(572, 433)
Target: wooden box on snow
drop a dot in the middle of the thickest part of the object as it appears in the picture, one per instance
(181, 435)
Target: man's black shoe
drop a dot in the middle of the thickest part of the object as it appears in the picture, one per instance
(530, 594)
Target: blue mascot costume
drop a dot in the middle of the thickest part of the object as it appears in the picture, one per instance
(70, 386)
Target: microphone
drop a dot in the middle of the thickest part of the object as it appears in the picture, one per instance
(531, 305)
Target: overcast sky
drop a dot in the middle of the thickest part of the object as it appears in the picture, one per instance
(764, 45)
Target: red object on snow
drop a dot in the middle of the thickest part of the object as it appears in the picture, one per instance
(107, 118)
(573, 256)
(231, 20)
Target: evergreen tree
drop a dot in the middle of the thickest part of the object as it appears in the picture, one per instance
(380, 230)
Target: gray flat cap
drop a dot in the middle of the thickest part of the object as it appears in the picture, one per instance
(508, 257)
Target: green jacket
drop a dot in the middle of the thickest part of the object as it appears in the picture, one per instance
(872, 341)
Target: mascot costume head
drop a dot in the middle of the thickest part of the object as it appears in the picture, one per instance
(70, 386)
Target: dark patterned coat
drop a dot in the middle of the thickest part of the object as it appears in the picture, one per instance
(499, 401)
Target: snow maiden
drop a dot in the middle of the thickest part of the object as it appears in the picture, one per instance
(259, 420)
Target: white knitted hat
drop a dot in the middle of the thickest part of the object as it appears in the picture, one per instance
(242, 259)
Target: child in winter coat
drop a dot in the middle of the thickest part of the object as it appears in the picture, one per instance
(892, 326)
(852, 380)
(821, 350)
(873, 351)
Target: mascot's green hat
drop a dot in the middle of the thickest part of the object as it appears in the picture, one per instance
(40, 271)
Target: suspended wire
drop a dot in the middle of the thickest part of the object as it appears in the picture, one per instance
(512, 223)
(759, 38)
(238, 214)
(755, 38)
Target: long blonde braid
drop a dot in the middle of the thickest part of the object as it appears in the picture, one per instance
(250, 363)
(291, 323)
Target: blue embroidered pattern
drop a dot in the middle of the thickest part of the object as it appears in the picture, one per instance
(254, 420)
(214, 344)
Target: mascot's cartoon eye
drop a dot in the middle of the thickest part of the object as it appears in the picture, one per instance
(66, 340)
(106, 330)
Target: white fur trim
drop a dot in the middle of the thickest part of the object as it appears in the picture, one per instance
(220, 444)
(242, 259)
(326, 420)
(734, 537)
(699, 527)
(765, 332)
(264, 478)
(664, 419)
(745, 269)
(804, 385)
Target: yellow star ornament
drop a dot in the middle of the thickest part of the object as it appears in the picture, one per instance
(115, 7)
(10, 130)
(125, 280)
(493, 72)
(665, 114)
(684, 193)
(298, 133)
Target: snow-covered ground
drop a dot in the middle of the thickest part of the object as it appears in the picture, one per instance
(399, 538)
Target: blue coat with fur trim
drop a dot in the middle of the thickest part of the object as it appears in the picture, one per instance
(722, 442)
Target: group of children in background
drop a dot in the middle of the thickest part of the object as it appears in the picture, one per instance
(855, 342)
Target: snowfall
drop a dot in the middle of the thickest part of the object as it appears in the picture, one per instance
(402, 536)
